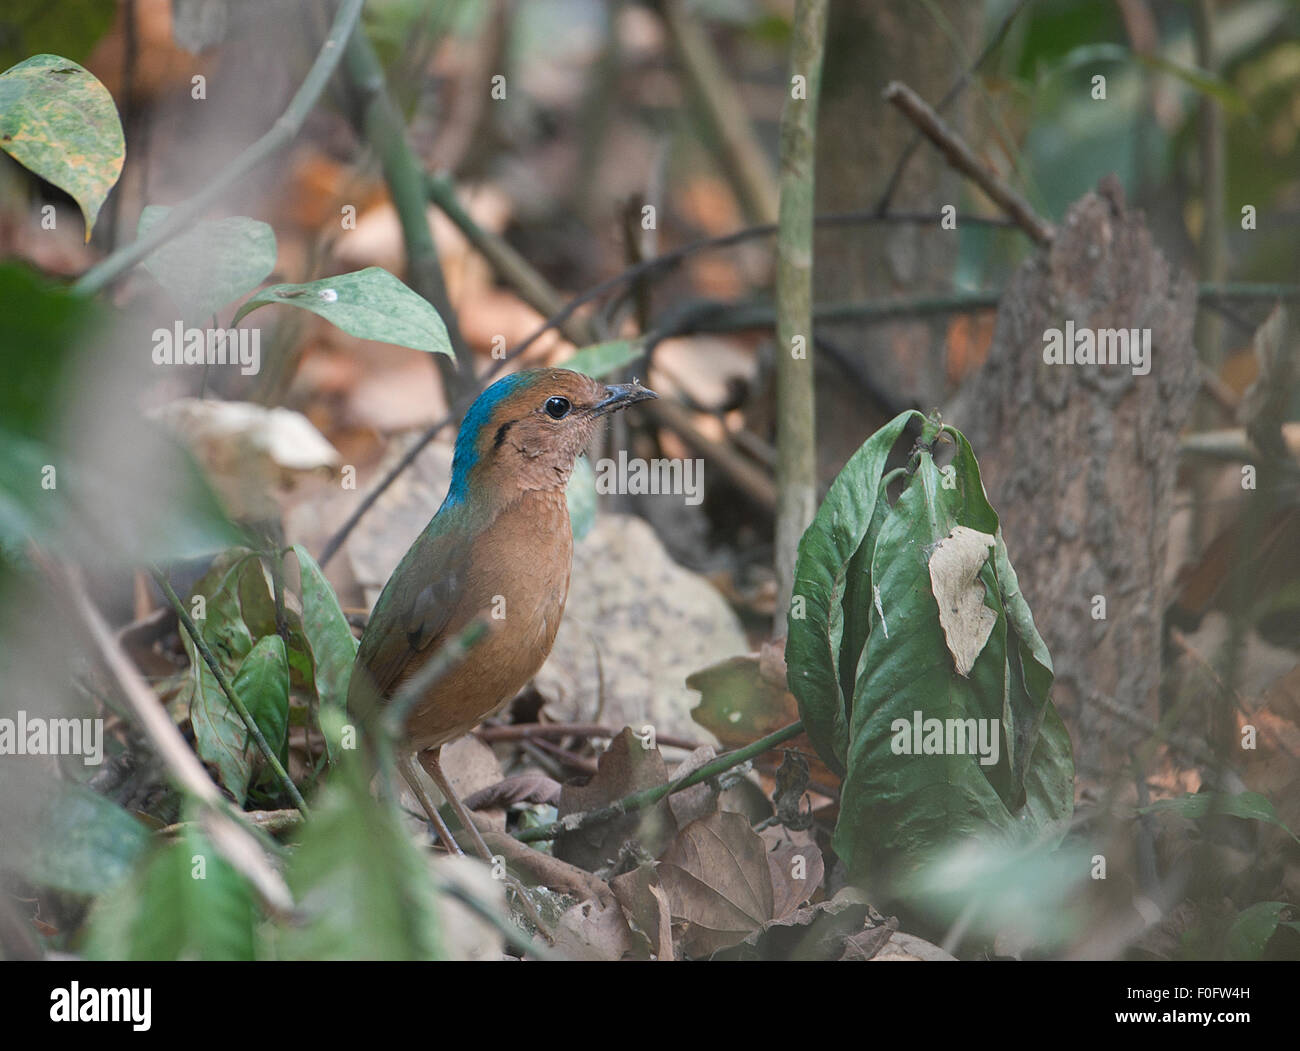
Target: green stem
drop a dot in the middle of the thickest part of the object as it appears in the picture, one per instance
(378, 120)
(254, 731)
(649, 796)
(796, 430)
(280, 135)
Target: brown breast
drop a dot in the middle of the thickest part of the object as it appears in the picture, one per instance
(520, 583)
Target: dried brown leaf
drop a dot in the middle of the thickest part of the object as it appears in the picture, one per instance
(718, 882)
(531, 787)
(797, 867)
(627, 766)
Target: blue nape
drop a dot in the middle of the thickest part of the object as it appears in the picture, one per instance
(478, 417)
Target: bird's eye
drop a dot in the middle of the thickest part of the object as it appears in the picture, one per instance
(557, 408)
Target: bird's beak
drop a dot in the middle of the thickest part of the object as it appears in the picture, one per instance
(621, 395)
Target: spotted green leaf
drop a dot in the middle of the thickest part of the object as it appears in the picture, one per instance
(59, 122)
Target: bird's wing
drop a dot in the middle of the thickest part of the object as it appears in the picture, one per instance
(413, 613)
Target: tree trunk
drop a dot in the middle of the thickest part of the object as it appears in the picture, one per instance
(1080, 462)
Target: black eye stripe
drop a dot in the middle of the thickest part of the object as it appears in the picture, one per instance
(557, 408)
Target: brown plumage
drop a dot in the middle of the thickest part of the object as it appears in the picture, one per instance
(500, 547)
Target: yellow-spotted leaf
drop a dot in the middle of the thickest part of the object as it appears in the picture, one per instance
(59, 122)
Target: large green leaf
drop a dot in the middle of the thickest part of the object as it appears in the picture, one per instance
(58, 121)
(368, 304)
(212, 263)
(71, 839)
(364, 886)
(153, 505)
(187, 903)
(813, 652)
(873, 654)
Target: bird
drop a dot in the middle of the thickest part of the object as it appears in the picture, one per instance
(498, 551)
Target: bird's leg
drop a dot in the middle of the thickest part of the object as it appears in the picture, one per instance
(406, 764)
(430, 760)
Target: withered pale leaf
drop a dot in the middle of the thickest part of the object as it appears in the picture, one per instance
(954, 571)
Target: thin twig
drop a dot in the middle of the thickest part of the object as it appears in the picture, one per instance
(218, 673)
(267, 820)
(650, 796)
(961, 157)
(566, 758)
(959, 85)
(278, 136)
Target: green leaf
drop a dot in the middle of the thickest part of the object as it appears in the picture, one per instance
(368, 304)
(42, 325)
(1199, 81)
(1254, 926)
(333, 646)
(601, 359)
(58, 121)
(813, 652)
(1249, 805)
(262, 683)
(153, 505)
(27, 508)
(900, 810)
(581, 498)
(187, 903)
(212, 263)
(257, 606)
(364, 886)
(220, 737)
(71, 839)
